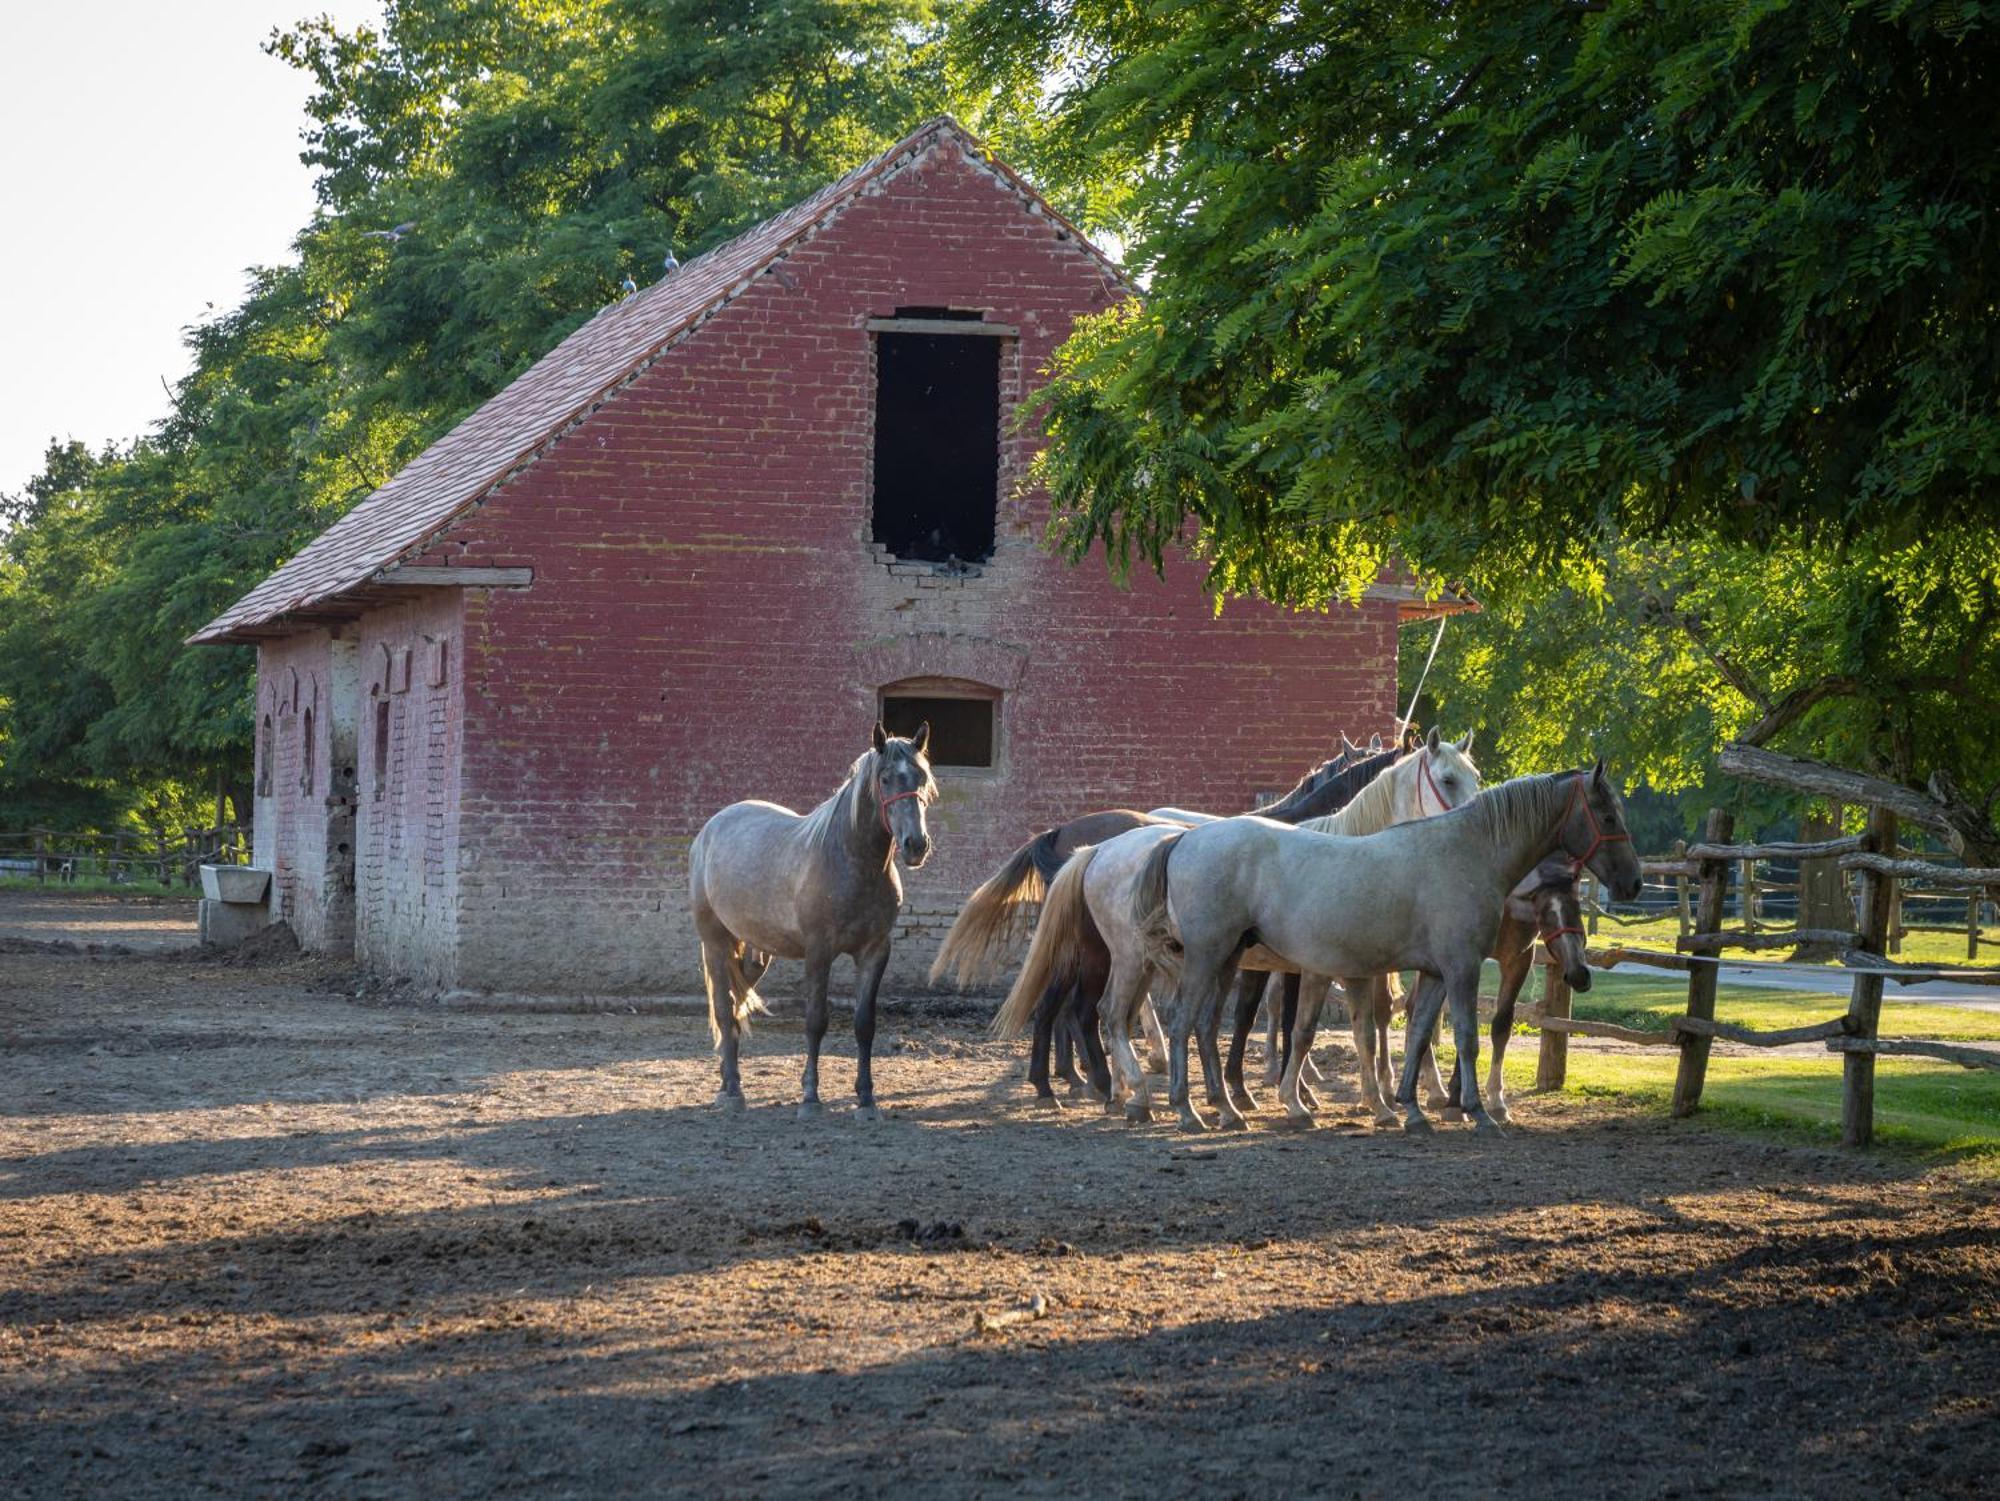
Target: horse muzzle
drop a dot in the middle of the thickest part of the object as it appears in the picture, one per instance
(1578, 978)
(915, 851)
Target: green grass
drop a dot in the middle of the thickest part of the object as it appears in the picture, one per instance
(1650, 1001)
(1918, 948)
(99, 886)
(1933, 1110)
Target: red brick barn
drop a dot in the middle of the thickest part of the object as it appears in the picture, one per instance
(692, 554)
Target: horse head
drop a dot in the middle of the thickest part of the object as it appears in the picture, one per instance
(904, 788)
(1437, 777)
(1594, 834)
(1559, 919)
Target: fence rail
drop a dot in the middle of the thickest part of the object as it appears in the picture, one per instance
(164, 856)
(1700, 876)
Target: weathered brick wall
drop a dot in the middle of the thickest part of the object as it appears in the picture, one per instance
(410, 720)
(709, 622)
(301, 830)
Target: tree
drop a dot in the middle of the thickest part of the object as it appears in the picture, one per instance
(1624, 313)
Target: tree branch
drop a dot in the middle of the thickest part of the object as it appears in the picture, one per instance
(1793, 706)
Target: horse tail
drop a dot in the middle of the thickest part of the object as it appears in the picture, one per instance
(1054, 953)
(995, 918)
(744, 1002)
(1150, 920)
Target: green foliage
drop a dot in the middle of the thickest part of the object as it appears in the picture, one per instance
(1624, 313)
(545, 149)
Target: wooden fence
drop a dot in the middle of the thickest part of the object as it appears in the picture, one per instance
(1880, 868)
(163, 856)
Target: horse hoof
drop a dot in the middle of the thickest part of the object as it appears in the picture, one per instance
(1387, 1118)
(1231, 1121)
(1416, 1125)
(1298, 1121)
(1192, 1123)
(1139, 1115)
(1244, 1101)
(1049, 1102)
(1500, 1113)
(811, 1110)
(731, 1101)
(1452, 1113)
(1485, 1125)
(866, 1111)
(1114, 1107)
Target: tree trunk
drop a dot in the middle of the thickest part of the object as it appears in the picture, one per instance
(1822, 893)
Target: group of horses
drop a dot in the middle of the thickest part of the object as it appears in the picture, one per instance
(1378, 862)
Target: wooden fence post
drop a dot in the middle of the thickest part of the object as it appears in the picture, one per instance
(1895, 928)
(1682, 904)
(41, 857)
(1864, 1005)
(1552, 1064)
(1748, 899)
(1701, 977)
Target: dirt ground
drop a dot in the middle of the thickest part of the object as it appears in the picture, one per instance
(263, 1236)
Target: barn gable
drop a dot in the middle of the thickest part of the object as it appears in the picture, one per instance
(331, 578)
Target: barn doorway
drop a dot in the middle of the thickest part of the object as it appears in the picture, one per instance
(964, 720)
(937, 443)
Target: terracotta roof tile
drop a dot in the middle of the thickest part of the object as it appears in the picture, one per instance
(513, 427)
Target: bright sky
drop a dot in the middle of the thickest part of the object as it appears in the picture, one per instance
(151, 155)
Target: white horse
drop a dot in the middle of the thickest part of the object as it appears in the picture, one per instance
(1093, 897)
(810, 886)
(1428, 895)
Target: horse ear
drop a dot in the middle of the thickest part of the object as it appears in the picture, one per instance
(881, 735)
(1375, 744)
(922, 739)
(1597, 773)
(1463, 744)
(1431, 741)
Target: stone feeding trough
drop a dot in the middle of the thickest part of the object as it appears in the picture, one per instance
(235, 903)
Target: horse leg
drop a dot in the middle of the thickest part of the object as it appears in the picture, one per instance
(1512, 977)
(1046, 1017)
(1465, 1038)
(1277, 1036)
(1304, 1025)
(1123, 998)
(868, 967)
(1211, 1059)
(1309, 1074)
(818, 967)
(1442, 1098)
(1199, 988)
(1364, 1004)
(1249, 991)
(1385, 996)
(1085, 1000)
(722, 1013)
(1424, 1011)
(1156, 1040)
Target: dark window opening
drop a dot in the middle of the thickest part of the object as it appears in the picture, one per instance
(265, 748)
(306, 753)
(937, 446)
(381, 745)
(945, 314)
(961, 728)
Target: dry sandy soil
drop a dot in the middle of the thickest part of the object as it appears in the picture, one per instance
(263, 1236)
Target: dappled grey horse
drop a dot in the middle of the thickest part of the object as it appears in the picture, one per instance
(810, 886)
(1427, 895)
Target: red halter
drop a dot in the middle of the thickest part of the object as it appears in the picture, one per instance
(882, 805)
(1598, 838)
(1424, 767)
(1549, 938)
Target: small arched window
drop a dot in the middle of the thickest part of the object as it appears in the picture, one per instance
(306, 752)
(964, 718)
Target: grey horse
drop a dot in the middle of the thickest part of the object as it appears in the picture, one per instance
(1427, 895)
(767, 881)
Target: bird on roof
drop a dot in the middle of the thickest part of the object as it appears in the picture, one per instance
(670, 265)
(391, 235)
(628, 286)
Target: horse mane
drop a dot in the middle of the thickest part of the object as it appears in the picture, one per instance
(845, 807)
(1522, 807)
(1340, 783)
(1371, 808)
